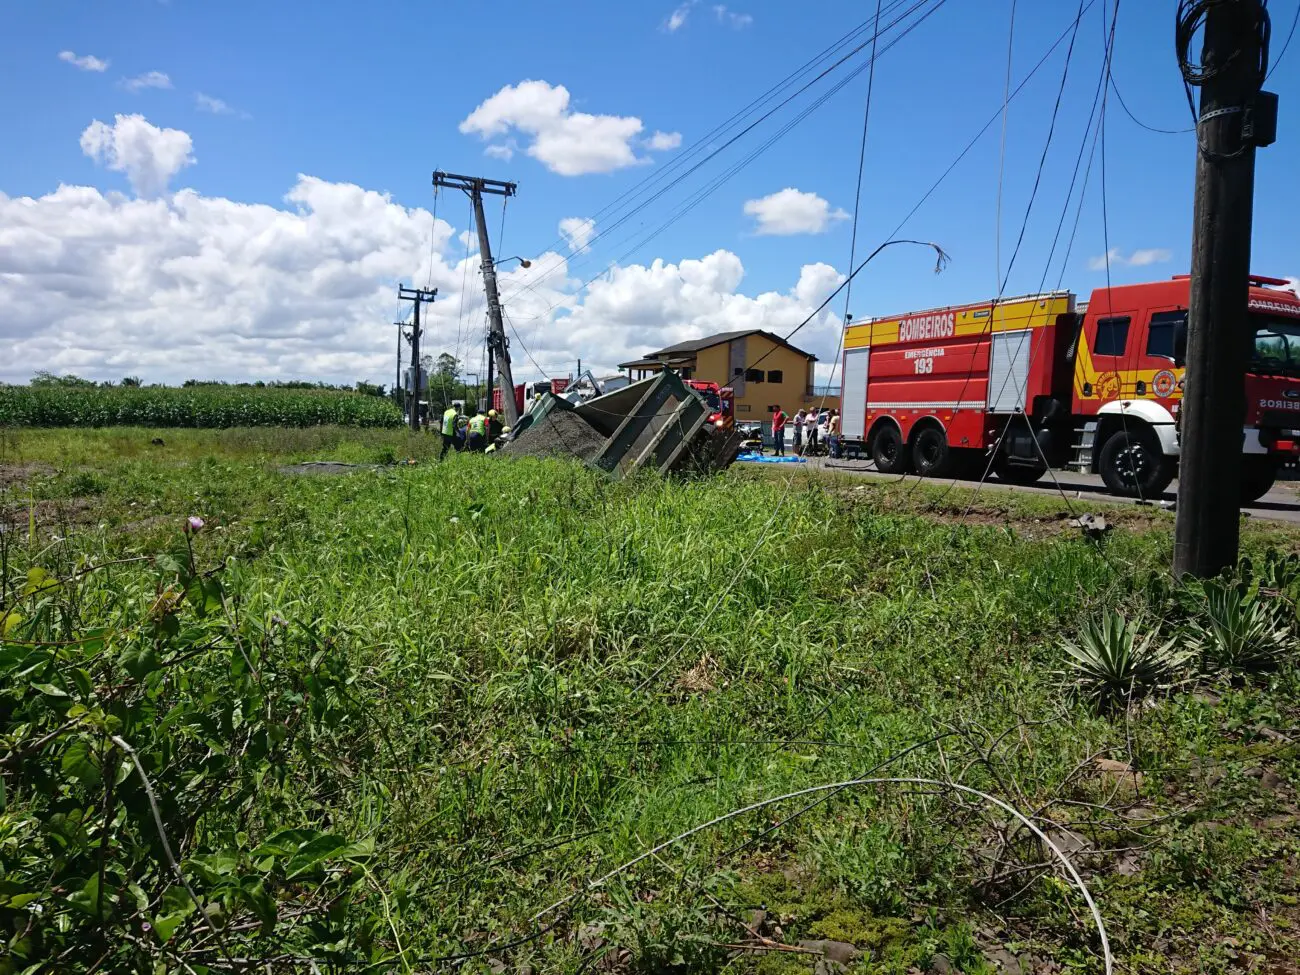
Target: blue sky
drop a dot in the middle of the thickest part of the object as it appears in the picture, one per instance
(379, 98)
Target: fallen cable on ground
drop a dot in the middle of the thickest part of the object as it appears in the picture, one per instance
(1108, 958)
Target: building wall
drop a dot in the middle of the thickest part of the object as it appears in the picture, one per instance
(754, 399)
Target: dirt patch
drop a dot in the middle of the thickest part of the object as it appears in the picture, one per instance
(58, 515)
(15, 475)
(557, 434)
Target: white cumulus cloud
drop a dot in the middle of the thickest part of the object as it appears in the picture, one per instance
(663, 141)
(86, 62)
(191, 286)
(150, 79)
(731, 17)
(792, 211)
(1139, 258)
(577, 232)
(148, 155)
(217, 106)
(566, 142)
(677, 19)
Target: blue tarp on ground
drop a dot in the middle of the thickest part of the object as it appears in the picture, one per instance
(764, 459)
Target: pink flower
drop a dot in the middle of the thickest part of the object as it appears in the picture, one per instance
(194, 524)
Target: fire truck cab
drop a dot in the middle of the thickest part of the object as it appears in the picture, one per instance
(1027, 383)
(720, 400)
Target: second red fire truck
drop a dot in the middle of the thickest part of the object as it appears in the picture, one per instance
(1045, 380)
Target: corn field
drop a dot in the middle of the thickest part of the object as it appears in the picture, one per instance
(210, 407)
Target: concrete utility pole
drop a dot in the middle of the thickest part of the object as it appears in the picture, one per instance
(1234, 118)
(498, 346)
(419, 296)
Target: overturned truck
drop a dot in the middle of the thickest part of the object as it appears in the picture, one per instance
(658, 423)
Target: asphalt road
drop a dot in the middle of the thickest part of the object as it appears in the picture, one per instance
(1280, 504)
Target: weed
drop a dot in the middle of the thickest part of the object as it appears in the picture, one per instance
(1113, 661)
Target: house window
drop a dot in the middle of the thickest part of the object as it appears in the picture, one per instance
(753, 375)
(1112, 336)
(775, 376)
(738, 372)
(742, 407)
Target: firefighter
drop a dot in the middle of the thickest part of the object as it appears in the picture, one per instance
(477, 432)
(493, 426)
(449, 418)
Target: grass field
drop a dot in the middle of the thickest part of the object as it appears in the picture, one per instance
(400, 717)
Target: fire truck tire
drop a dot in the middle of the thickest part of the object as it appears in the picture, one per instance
(1133, 465)
(1017, 473)
(930, 454)
(888, 450)
(1256, 480)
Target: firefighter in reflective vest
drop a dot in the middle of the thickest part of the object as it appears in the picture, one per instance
(478, 432)
(449, 418)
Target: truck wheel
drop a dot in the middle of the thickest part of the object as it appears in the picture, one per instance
(930, 454)
(888, 450)
(1017, 473)
(1256, 479)
(1133, 465)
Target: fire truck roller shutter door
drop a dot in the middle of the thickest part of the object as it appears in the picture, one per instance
(853, 415)
(1009, 370)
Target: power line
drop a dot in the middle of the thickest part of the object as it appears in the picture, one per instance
(862, 158)
(707, 140)
(731, 141)
(724, 177)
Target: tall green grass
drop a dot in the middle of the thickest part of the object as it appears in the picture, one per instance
(473, 687)
(203, 406)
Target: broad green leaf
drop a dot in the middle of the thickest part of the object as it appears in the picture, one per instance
(87, 899)
(139, 660)
(80, 764)
(322, 848)
(50, 690)
(165, 925)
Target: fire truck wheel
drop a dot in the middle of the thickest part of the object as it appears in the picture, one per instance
(1017, 473)
(930, 454)
(1256, 480)
(1132, 464)
(888, 450)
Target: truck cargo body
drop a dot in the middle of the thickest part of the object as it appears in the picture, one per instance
(1027, 383)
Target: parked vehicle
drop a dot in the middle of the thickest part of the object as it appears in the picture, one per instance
(1043, 381)
(720, 399)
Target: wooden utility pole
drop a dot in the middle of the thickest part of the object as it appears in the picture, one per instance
(1233, 120)
(498, 345)
(419, 296)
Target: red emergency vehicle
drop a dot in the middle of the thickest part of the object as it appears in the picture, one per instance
(1047, 380)
(720, 400)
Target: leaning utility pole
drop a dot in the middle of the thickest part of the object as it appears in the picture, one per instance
(476, 186)
(419, 296)
(1235, 117)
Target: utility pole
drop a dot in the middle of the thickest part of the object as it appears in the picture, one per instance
(1234, 119)
(498, 346)
(420, 296)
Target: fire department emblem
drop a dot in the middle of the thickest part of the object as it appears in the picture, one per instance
(1108, 385)
(1164, 383)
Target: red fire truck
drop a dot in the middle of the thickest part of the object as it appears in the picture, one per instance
(720, 400)
(1092, 386)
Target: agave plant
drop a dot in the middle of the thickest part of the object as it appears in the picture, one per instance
(1113, 661)
(1237, 632)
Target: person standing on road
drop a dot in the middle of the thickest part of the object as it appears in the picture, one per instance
(449, 418)
(833, 433)
(478, 432)
(798, 431)
(778, 432)
(810, 432)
